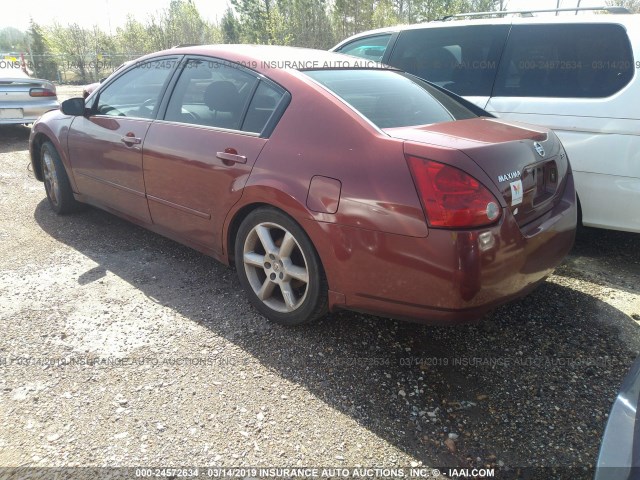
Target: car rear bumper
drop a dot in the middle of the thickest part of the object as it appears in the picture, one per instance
(17, 113)
(450, 276)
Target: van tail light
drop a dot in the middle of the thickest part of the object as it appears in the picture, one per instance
(450, 197)
(41, 92)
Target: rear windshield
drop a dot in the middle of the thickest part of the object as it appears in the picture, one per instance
(391, 99)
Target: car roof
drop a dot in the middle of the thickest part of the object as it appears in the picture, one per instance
(622, 19)
(273, 56)
(279, 63)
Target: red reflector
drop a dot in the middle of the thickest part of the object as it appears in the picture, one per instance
(42, 92)
(451, 198)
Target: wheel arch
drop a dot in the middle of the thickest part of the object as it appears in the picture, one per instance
(579, 210)
(262, 195)
(36, 147)
(296, 211)
(234, 224)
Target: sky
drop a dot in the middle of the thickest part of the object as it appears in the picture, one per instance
(110, 14)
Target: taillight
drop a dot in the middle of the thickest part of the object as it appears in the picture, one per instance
(41, 92)
(450, 197)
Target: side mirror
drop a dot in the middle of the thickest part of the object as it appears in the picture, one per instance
(73, 106)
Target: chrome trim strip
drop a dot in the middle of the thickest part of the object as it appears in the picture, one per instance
(182, 208)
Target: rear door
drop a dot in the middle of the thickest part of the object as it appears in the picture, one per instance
(463, 59)
(105, 147)
(198, 157)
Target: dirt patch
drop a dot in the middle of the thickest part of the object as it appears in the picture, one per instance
(122, 348)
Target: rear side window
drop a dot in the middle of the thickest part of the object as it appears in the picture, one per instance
(371, 48)
(583, 61)
(262, 107)
(461, 59)
(389, 98)
(211, 93)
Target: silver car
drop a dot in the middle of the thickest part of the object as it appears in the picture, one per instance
(24, 99)
(620, 449)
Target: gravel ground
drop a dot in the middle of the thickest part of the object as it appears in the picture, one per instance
(122, 348)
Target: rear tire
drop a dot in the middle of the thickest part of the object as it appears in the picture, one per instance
(279, 268)
(56, 181)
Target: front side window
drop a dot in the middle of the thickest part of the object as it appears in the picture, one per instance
(581, 60)
(391, 99)
(211, 93)
(137, 92)
(371, 48)
(461, 59)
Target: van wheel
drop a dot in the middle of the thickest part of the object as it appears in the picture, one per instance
(279, 268)
(56, 181)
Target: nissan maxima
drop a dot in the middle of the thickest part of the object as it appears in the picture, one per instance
(328, 181)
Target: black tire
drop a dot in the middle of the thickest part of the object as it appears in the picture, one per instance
(289, 301)
(56, 181)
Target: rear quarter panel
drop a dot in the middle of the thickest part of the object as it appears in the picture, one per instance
(319, 135)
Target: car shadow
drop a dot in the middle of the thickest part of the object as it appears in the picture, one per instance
(14, 138)
(409, 384)
(605, 257)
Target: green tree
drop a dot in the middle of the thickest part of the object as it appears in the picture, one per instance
(102, 53)
(384, 14)
(132, 39)
(351, 16)
(73, 45)
(12, 40)
(254, 20)
(427, 10)
(43, 62)
(180, 24)
(305, 23)
(230, 27)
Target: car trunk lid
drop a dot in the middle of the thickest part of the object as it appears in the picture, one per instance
(527, 165)
(17, 90)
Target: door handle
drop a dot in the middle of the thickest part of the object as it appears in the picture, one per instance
(131, 139)
(230, 155)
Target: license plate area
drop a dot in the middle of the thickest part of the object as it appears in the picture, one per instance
(11, 113)
(541, 182)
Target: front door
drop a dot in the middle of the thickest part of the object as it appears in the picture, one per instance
(105, 147)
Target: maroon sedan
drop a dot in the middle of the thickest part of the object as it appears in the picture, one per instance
(331, 184)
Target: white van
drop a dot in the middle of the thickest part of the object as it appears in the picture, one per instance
(577, 74)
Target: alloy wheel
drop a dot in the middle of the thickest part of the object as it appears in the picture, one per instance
(276, 267)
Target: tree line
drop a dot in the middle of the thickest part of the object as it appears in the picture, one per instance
(53, 51)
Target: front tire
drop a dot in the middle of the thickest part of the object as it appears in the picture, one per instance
(56, 181)
(279, 268)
